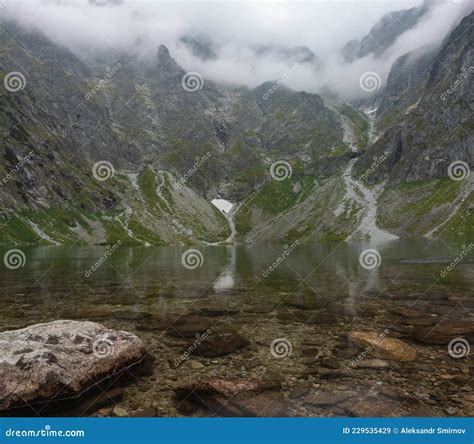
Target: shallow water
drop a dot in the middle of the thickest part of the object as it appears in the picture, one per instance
(314, 296)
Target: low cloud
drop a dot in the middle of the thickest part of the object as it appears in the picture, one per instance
(236, 29)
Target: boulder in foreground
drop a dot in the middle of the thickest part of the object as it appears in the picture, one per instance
(61, 360)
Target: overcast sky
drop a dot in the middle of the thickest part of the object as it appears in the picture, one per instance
(139, 26)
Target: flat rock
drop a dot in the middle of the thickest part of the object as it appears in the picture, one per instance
(442, 332)
(157, 324)
(61, 359)
(372, 363)
(407, 312)
(330, 362)
(218, 343)
(308, 317)
(231, 397)
(373, 406)
(210, 312)
(299, 391)
(189, 327)
(381, 346)
(129, 315)
(149, 412)
(327, 398)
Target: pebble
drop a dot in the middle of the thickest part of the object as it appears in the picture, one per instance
(451, 410)
(120, 411)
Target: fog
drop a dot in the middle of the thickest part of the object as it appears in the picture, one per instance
(138, 27)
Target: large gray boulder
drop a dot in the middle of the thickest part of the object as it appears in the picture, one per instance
(61, 359)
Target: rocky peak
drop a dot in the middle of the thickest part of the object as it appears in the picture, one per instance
(163, 54)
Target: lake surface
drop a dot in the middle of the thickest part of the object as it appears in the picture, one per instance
(311, 299)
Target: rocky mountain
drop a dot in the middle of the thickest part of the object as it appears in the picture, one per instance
(384, 33)
(425, 132)
(112, 147)
(156, 126)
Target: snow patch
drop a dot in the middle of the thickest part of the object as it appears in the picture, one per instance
(224, 205)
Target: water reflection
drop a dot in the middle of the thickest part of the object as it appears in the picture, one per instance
(154, 279)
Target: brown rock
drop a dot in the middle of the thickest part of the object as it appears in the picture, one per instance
(220, 343)
(149, 412)
(381, 346)
(188, 327)
(407, 312)
(326, 398)
(372, 363)
(330, 362)
(231, 397)
(372, 406)
(299, 391)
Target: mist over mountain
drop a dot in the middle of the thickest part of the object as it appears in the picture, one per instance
(259, 46)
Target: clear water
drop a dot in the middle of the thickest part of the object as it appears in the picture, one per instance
(325, 278)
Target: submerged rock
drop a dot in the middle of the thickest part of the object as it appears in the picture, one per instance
(372, 405)
(372, 363)
(188, 326)
(442, 332)
(327, 398)
(381, 346)
(219, 343)
(232, 397)
(61, 359)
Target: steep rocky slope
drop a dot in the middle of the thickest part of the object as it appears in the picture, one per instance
(427, 139)
(384, 33)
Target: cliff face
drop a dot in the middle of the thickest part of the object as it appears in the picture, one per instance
(428, 123)
(425, 153)
(384, 33)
